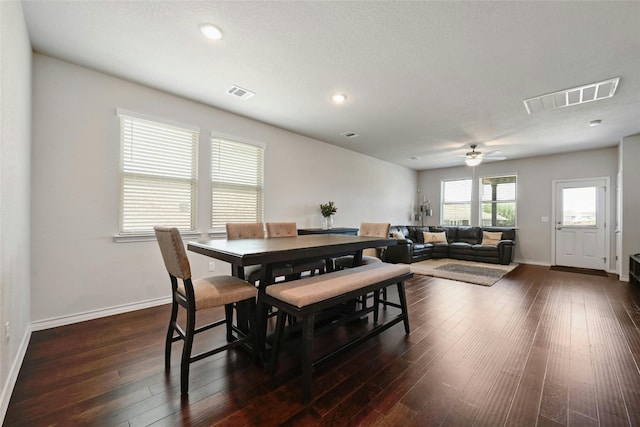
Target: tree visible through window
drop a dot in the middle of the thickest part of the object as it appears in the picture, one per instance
(498, 198)
(158, 175)
(456, 202)
(237, 183)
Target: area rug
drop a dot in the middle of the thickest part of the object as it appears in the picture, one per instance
(589, 271)
(479, 273)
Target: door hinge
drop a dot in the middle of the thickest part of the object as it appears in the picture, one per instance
(605, 259)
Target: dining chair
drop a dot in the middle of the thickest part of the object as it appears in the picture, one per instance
(290, 229)
(369, 255)
(252, 230)
(197, 295)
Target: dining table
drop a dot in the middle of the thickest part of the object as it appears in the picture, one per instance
(270, 253)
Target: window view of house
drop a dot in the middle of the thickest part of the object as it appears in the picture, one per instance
(456, 202)
(579, 208)
(498, 198)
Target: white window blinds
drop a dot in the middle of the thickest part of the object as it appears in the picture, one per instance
(237, 182)
(158, 175)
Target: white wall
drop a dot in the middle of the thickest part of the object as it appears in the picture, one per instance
(78, 268)
(629, 151)
(15, 136)
(535, 176)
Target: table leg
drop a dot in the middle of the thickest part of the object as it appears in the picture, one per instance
(242, 316)
(357, 258)
(266, 278)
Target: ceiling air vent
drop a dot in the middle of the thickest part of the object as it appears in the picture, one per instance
(574, 96)
(349, 134)
(239, 92)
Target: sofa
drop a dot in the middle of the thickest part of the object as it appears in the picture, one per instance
(485, 244)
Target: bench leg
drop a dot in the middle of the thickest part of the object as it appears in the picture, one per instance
(403, 305)
(307, 350)
(277, 338)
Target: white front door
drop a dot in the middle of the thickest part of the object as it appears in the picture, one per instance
(580, 224)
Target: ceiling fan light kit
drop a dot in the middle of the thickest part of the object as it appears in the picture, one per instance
(474, 161)
(474, 158)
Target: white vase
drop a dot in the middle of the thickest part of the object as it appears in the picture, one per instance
(327, 222)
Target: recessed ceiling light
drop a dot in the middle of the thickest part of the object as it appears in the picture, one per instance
(339, 98)
(593, 123)
(210, 31)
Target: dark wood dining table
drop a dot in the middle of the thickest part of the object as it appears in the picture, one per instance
(273, 252)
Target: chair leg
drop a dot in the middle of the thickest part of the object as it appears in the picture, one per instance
(186, 351)
(170, 331)
(251, 308)
(376, 304)
(228, 315)
(403, 305)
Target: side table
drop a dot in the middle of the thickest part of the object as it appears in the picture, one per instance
(336, 230)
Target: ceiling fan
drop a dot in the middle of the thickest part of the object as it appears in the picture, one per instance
(474, 158)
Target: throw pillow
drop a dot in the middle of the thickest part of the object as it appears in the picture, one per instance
(398, 235)
(491, 238)
(434, 237)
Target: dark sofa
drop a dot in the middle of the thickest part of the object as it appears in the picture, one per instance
(462, 243)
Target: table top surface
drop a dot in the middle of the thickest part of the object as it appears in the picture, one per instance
(282, 249)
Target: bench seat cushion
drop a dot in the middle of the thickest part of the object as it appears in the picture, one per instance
(310, 290)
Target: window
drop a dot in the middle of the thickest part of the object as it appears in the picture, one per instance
(456, 202)
(237, 183)
(158, 175)
(498, 200)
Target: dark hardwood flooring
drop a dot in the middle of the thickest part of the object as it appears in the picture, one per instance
(539, 347)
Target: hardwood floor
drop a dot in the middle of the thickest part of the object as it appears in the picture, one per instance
(539, 347)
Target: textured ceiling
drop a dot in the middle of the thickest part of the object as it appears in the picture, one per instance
(423, 79)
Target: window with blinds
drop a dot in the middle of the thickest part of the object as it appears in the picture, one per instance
(498, 201)
(158, 175)
(237, 183)
(456, 202)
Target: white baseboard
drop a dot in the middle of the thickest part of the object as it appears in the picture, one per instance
(54, 322)
(7, 389)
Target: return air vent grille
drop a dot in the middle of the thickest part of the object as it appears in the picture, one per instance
(574, 96)
(239, 92)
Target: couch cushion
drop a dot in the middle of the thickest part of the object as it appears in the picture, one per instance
(491, 238)
(472, 235)
(397, 235)
(430, 237)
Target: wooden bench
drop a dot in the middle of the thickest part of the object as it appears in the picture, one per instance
(308, 297)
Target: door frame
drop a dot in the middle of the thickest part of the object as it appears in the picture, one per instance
(607, 215)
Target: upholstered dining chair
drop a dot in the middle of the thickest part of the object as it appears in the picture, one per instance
(290, 229)
(252, 230)
(369, 255)
(197, 295)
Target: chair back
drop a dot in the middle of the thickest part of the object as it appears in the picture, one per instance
(173, 252)
(245, 230)
(374, 229)
(282, 229)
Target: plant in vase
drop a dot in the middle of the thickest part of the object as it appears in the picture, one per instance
(327, 211)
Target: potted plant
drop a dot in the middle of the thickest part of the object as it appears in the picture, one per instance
(327, 210)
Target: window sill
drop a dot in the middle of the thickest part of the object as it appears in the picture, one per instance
(146, 237)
